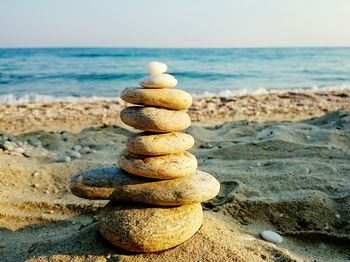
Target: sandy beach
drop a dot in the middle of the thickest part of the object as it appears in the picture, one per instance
(283, 162)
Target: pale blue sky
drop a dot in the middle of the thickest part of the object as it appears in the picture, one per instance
(174, 23)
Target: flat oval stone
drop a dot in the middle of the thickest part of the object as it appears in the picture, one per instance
(156, 68)
(168, 98)
(161, 167)
(115, 184)
(155, 119)
(271, 236)
(141, 228)
(158, 81)
(159, 144)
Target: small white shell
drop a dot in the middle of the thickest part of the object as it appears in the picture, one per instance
(156, 68)
(272, 236)
(158, 81)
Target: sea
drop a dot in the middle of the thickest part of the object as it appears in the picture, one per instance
(76, 74)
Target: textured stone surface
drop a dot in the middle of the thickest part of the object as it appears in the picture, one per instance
(115, 184)
(155, 119)
(158, 81)
(159, 144)
(161, 167)
(141, 228)
(168, 98)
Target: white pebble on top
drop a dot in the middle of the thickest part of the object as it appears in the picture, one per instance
(272, 236)
(156, 68)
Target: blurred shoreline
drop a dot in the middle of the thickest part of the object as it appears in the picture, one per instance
(206, 111)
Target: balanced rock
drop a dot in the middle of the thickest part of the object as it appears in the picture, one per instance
(159, 144)
(158, 81)
(115, 184)
(156, 68)
(168, 98)
(141, 228)
(161, 167)
(155, 119)
(156, 193)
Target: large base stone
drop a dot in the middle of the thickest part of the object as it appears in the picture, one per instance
(141, 228)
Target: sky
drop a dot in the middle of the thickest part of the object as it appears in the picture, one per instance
(174, 23)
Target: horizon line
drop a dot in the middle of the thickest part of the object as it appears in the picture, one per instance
(184, 47)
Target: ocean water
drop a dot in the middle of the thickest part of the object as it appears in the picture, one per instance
(94, 73)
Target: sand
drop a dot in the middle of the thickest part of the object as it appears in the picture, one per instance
(284, 171)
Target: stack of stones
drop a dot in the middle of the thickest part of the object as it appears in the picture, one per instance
(157, 190)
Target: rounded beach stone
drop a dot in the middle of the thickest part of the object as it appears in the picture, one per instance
(156, 68)
(272, 236)
(155, 119)
(115, 184)
(169, 98)
(141, 228)
(161, 167)
(158, 81)
(159, 144)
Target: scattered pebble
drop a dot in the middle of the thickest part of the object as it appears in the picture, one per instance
(18, 149)
(77, 147)
(62, 159)
(271, 236)
(206, 146)
(75, 154)
(85, 150)
(7, 145)
(337, 216)
(12, 138)
(35, 174)
(34, 141)
(36, 152)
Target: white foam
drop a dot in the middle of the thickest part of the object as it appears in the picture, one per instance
(13, 99)
(264, 91)
(28, 98)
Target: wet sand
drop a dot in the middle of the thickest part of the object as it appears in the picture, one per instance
(283, 162)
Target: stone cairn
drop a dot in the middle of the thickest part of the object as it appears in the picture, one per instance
(156, 193)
